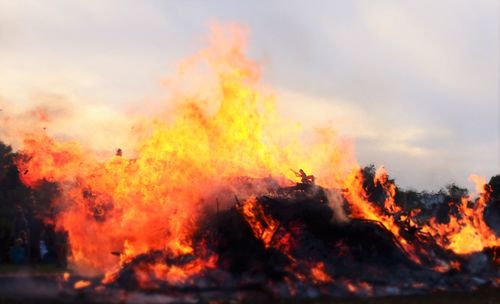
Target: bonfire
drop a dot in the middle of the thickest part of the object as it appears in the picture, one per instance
(222, 194)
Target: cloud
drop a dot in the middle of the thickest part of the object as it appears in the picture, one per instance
(412, 82)
(433, 42)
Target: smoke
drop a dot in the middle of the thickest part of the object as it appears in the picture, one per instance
(336, 203)
(99, 127)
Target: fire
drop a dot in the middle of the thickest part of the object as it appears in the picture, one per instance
(154, 201)
(382, 178)
(149, 274)
(467, 232)
(82, 284)
(66, 276)
(319, 275)
(263, 226)
(362, 208)
(224, 128)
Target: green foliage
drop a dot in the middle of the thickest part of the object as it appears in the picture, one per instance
(376, 193)
(35, 202)
(12, 190)
(495, 186)
(455, 192)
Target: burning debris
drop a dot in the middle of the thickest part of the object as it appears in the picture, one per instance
(287, 245)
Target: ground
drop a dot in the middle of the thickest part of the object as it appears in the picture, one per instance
(41, 280)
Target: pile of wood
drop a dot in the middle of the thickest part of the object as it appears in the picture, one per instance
(357, 257)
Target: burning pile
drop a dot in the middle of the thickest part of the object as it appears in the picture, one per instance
(209, 201)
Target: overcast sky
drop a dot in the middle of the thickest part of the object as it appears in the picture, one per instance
(415, 83)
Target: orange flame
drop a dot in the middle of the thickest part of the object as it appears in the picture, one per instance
(81, 284)
(263, 226)
(319, 275)
(362, 208)
(467, 232)
(153, 202)
(382, 178)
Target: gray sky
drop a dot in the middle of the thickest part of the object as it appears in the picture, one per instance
(415, 83)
